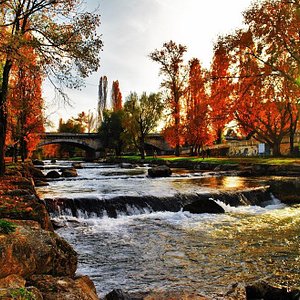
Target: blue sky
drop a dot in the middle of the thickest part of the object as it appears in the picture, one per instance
(131, 29)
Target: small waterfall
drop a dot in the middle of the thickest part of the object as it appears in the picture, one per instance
(93, 207)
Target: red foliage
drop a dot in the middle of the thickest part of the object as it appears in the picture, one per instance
(25, 104)
(220, 102)
(197, 132)
(116, 96)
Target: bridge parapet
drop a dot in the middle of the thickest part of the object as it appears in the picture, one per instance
(92, 141)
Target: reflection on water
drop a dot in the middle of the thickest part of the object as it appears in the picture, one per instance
(104, 181)
(233, 182)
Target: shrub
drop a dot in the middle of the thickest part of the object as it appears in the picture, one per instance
(22, 294)
(7, 227)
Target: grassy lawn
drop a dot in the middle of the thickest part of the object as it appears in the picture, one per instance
(225, 160)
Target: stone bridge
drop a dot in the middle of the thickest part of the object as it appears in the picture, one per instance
(93, 146)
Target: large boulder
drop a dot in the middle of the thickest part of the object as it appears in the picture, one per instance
(77, 165)
(61, 288)
(160, 171)
(262, 290)
(32, 250)
(204, 206)
(163, 295)
(71, 172)
(286, 190)
(53, 174)
(37, 162)
(35, 172)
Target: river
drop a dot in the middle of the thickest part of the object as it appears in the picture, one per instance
(145, 249)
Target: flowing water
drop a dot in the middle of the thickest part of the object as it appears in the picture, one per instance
(145, 249)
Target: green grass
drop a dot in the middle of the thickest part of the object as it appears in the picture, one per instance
(221, 160)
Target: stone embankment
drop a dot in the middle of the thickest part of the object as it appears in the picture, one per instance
(35, 263)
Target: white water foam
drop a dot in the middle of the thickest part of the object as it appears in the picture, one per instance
(271, 205)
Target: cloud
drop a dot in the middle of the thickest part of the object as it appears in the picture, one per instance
(131, 29)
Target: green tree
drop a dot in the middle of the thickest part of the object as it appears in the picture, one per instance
(112, 130)
(63, 38)
(141, 117)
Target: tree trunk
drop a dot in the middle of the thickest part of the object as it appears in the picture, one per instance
(276, 149)
(293, 128)
(23, 149)
(3, 114)
(219, 136)
(292, 137)
(142, 147)
(2, 141)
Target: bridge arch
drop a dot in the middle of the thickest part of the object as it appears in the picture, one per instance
(89, 142)
(90, 153)
(92, 143)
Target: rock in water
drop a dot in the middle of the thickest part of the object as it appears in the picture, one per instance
(69, 173)
(38, 162)
(160, 171)
(53, 174)
(77, 165)
(202, 206)
(262, 290)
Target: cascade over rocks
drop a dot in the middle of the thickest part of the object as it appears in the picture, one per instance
(128, 205)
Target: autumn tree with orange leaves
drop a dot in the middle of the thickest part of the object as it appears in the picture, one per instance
(267, 49)
(66, 51)
(261, 109)
(220, 90)
(173, 70)
(197, 127)
(25, 105)
(116, 96)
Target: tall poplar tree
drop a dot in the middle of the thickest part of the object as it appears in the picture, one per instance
(102, 98)
(116, 96)
(172, 68)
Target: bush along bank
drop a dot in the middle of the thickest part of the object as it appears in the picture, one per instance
(35, 263)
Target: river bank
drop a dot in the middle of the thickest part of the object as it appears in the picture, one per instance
(35, 263)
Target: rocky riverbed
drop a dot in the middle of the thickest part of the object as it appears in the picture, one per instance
(35, 263)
